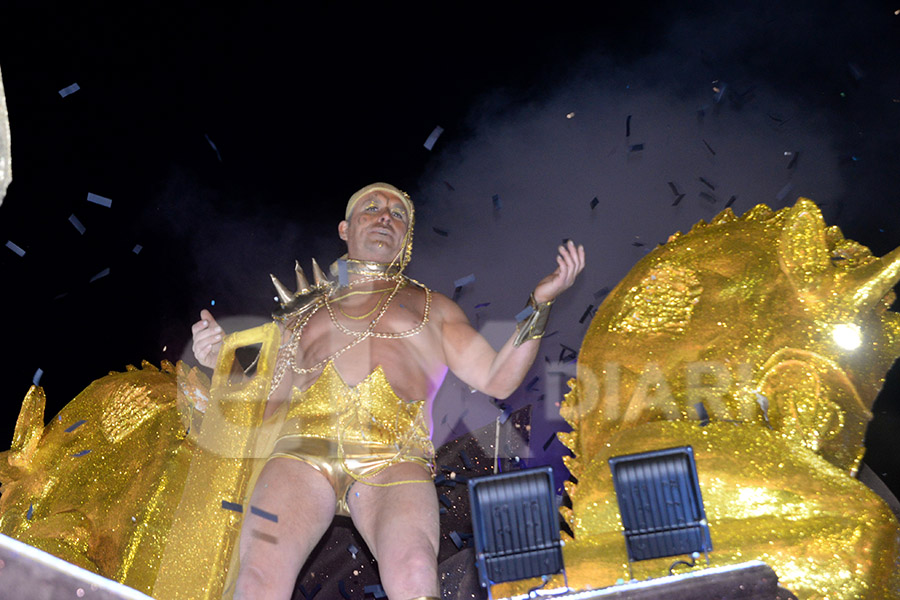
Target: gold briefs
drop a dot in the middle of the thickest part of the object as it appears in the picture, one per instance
(350, 434)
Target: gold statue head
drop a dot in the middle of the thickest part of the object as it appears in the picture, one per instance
(771, 318)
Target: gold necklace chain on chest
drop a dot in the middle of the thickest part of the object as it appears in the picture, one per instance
(359, 336)
(381, 293)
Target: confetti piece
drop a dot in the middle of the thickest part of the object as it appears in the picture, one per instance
(457, 291)
(782, 194)
(570, 115)
(100, 275)
(213, 146)
(343, 277)
(343, 590)
(588, 312)
(376, 590)
(720, 92)
(856, 71)
(701, 412)
(628, 126)
(708, 147)
(524, 313)
(567, 354)
(77, 224)
(482, 305)
(80, 454)
(467, 462)
(433, 137)
(445, 482)
(637, 244)
(68, 90)
(443, 499)
(75, 426)
(706, 183)
(636, 147)
(794, 160)
(312, 594)
(464, 280)
(457, 540)
(504, 416)
(708, 197)
(594, 203)
(263, 514)
(678, 200)
(601, 293)
(496, 200)
(36, 380)
(353, 550)
(15, 248)
(730, 201)
(30, 512)
(441, 232)
(549, 335)
(673, 188)
(99, 200)
(137, 248)
(449, 187)
(232, 506)
(549, 441)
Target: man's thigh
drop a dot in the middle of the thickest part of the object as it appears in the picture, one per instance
(303, 502)
(396, 518)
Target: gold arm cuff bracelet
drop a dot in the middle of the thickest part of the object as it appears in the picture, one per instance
(534, 325)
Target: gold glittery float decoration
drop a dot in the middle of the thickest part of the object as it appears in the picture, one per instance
(98, 484)
(786, 344)
(129, 479)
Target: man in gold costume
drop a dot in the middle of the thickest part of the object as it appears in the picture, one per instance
(360, 363)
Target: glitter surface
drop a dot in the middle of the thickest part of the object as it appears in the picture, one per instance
(736, 311)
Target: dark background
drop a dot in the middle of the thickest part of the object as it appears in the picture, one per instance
(305, 103)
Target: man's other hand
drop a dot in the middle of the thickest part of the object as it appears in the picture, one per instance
(570, 261)
(207, 339)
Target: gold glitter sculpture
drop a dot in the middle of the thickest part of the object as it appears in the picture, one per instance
(780, 327)
(70, 487)
(143, 476)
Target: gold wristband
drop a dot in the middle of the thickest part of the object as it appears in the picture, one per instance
(534, 324)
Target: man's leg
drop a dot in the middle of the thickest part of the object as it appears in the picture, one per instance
(272, 554)
(400, 525)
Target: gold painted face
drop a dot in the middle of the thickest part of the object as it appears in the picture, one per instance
(377, 227)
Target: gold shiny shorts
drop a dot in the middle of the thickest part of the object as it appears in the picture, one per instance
(346, 463)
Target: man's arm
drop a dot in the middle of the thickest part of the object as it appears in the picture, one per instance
(471, 357)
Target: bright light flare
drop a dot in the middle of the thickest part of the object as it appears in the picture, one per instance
(847, 335)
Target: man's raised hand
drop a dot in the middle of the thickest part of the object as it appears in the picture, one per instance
(207, 339)
(570, 262)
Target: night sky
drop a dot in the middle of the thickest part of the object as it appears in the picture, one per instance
(228, 140)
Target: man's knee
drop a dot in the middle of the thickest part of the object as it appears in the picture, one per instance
(251, 583)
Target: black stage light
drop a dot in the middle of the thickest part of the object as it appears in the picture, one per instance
(660, 503)
(515, 522)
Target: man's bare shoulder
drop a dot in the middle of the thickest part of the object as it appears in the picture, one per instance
(445, 309)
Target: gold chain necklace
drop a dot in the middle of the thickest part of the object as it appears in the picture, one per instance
(374, 308)
(290, 348)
